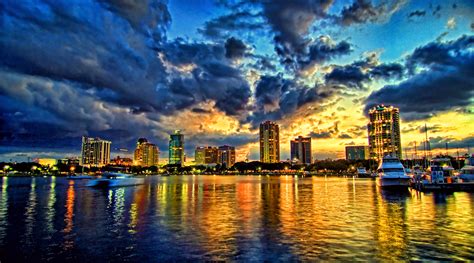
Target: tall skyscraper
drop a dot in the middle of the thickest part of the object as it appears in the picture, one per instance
(95, 152)
(384, 132)
(357, 152)
(226, 155)
(301, 150)
(176, 148)
(205, 155)
(269, 142)
(146, 154)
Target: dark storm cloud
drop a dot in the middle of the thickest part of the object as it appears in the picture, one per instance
(150, 17)
(105, 49)
(349, 75)
(235, 48)
(291, 23)
(75, 67)
(321, 135)
(277, 97)
(240, 21)
(441, 54)
(445, 82)
(344, 136)
(417, 13)
(356, 74)
(321, 52)
(387, 71)
(363, 11)
(212, 79)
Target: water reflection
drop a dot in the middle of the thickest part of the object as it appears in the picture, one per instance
(50, 210)
(30, 213)
(3, 210)
(69, 216)
(232, 218)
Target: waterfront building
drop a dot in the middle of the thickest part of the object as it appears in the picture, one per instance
(146, 154)
(69, 161)
(123, 161)
(357, 152)
(205, 155)
(301, 150)
(384, 132)
(46, 162)
(226, 155)
(269, 142)
(176, 148)
(95, 152)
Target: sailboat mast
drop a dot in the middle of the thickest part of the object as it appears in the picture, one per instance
(427, 144)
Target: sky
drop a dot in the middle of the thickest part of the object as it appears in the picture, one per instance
(125, 69)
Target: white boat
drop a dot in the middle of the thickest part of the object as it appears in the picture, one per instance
(440, 170)
(115, 180)
(362, 173)
(391, 174)
(467, 172)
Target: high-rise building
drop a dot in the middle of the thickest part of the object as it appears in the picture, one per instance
(176, 148)
(269, 142)
(357, 153)
(205, 155)
(301, 150)
(226, 155)
(95, 152)
(384, 132)
(146, 154)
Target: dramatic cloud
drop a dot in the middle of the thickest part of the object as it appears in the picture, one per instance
(441, 55)
(277, 97)
(235, 48)
(356, 74)
(323, 50)
(111, 59)
(363, 11)
(417, 13)
(240, 21)
(446, 80)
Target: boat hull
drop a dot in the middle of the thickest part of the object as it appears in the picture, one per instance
(393, 183)
(116, 182)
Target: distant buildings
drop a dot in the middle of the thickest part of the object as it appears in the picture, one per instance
(301, 150)
(226, 155)
(384, 131)
(176, 148)
(146, 154)
(122, 161)
(69, 161)
(269, 142)
(357, 153)
(205, 155)
(95, 152)
(46, 161)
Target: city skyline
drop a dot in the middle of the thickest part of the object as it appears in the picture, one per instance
(215, 71)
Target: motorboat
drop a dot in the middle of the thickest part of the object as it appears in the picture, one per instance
(112, 179)
(442, 179)
(467, 172)
(362, 173)
(391, 174)
(441, 170)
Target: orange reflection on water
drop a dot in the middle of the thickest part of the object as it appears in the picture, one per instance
(69, 216)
